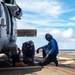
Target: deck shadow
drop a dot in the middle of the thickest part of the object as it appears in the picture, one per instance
(20, 70)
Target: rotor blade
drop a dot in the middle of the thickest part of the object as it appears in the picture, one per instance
(27, 32)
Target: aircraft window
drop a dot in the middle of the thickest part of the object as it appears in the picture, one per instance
(9, 1)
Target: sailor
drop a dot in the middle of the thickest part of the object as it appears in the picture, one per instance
(28, 50)
(50, 51)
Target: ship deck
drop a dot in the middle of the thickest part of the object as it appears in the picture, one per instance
(66, 66)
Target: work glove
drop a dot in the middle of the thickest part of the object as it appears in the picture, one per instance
(29, 59)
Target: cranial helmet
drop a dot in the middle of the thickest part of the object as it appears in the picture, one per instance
(30, 44)
(48, 36)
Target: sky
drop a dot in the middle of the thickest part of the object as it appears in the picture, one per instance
(56, 17)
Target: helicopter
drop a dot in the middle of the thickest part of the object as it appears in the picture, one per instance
(9, 12)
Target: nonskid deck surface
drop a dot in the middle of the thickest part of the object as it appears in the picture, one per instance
(38, 70)
(66, 67)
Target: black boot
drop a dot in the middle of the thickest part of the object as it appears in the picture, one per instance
(56, 62)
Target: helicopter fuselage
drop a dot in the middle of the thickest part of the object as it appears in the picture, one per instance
(8, 29)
